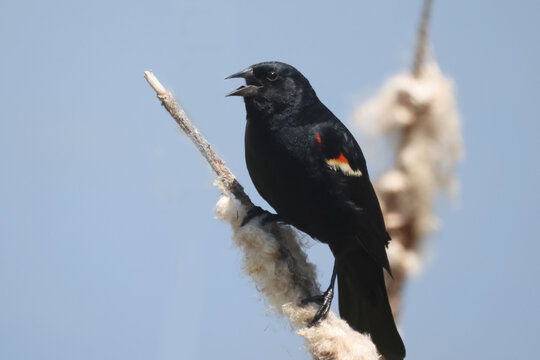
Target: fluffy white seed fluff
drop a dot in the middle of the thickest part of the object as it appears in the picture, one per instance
(278, 266)
(419, 114)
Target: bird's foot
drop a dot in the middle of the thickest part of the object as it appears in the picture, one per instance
(324, 300)
(258, 211)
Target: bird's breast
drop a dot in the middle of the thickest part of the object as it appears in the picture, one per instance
(275, 167)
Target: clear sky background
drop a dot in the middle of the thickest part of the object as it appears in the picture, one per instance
(108, 244)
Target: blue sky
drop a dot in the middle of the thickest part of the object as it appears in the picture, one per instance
(108, 244)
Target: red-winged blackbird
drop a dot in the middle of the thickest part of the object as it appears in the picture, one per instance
(309, 168)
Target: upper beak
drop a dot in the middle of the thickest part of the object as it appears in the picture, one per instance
(241, 74)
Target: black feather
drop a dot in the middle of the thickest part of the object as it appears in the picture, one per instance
(290, 139)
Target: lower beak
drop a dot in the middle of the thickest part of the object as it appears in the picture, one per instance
(244, 91)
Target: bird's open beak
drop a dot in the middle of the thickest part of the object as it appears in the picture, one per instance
(244, 91)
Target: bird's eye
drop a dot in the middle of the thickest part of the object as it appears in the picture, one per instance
(272, 76)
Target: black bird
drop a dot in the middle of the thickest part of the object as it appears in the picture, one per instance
(310, 169)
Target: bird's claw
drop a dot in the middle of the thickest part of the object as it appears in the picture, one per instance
(258, 211)
(324, 300)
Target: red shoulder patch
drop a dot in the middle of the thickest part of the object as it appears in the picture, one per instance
(341, 159)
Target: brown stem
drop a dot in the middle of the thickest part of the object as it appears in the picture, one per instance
(421, 45)
(226, 177)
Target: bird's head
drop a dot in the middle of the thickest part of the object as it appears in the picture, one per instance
(273, 88)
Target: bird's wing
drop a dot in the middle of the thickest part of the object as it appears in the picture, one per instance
(347, 166)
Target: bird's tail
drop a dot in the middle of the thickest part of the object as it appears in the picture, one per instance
(363, 302)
